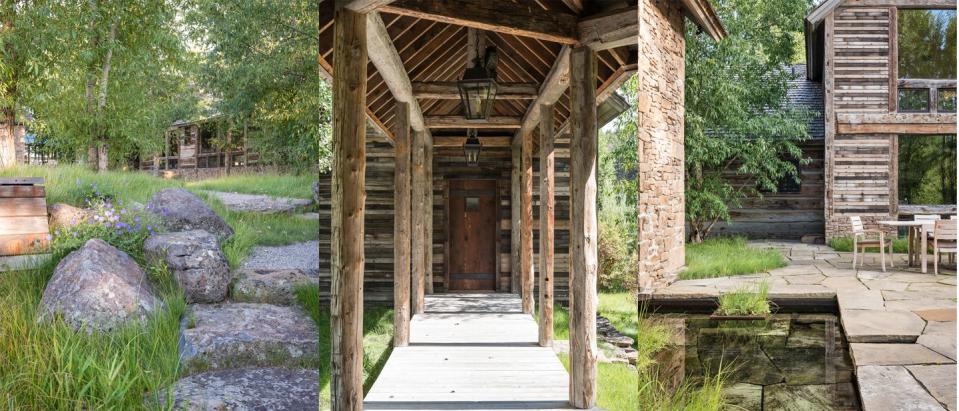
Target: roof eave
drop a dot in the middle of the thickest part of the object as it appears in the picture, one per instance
(703, 14)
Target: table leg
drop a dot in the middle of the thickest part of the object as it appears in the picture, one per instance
(923, 247)
(910, 245)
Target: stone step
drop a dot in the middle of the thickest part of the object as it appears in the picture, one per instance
(881, 326)
(254, 203)
(269, 286)
(883, 388)
(276, 389)
(300, 256)
(232, 335)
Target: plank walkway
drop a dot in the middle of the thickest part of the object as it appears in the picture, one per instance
(471, 352)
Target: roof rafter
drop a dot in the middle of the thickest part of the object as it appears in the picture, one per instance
(388, 63)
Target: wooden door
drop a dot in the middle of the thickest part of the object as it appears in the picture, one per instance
(472, 235)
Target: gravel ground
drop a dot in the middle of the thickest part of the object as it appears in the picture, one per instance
(252, 203)
(303, 256)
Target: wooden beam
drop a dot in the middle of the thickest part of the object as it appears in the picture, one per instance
(449, 90)
(365, 6)
(390, 66)
(460, 122)
(458, 141)
(583, 253)
(896, 123)
(401, 227)
(526, 228)
(348, 195)
(421, 144)
(609, 30)
(703, 14)
(492, 15)
(547, 189)
(516, 210)
(552, 89)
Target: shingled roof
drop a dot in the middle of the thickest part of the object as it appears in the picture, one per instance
(805, 93)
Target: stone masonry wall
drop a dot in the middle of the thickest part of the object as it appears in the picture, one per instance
(661, 208)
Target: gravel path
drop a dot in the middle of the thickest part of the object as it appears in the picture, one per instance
(303, 256)
(252, 203)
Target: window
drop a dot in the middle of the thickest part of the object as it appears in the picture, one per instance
(914, 100)
(472, 203)
(927, 169)
(927, 60)
(947, 100)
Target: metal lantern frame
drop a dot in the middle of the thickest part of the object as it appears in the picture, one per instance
(477, 92)
(472, 148)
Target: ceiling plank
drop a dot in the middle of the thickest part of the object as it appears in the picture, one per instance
(390, 66)
(458, 141)
(611, 29)
(492, 15)
(449, 90)
(557, 81)
(494, 122)
(365, 6)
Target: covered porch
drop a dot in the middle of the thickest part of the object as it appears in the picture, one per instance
(428, 198)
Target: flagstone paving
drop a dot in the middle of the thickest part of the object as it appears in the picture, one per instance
(901, 324)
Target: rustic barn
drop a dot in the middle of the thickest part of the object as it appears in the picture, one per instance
(201, 148)
(463, 96)
(794, 210)
(871, 83)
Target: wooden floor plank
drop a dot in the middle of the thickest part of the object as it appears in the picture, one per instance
(471, 352)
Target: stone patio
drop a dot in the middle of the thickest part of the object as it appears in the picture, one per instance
(901, 324)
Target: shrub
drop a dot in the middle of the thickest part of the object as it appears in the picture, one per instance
(618, 264)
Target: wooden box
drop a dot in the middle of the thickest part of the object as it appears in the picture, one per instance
(24, 225)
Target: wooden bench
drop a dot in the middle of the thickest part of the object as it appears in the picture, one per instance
(24, 226)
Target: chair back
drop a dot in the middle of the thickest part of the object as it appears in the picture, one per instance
(928, 220)
(953, 217)
(857, 227)
(946, 230)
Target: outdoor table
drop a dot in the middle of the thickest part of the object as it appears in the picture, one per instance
(918, 233)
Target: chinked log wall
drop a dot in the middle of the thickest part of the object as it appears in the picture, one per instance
(447, 163)
(861, 176)
(783, 215)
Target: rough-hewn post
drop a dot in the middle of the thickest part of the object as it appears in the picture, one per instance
(418, 217)
(428, 228)
(348, 199)
(546, 218)
(583, 231)
(516, 210)
(526, 226)
(401, 227)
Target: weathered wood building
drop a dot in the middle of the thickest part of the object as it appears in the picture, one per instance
(414, 210)
(201, 148)
(874, 94)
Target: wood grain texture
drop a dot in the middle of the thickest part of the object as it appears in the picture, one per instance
(348, 200)
(526, 227)
(421, 189)
(23, 207)
(583, 230)
(516, 206)
(19, 191)
(547, 164)
(401, 230)
(24, 244)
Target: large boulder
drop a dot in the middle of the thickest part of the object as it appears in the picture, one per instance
(98, 287)
(269, 286)
(180, 210)
(65, 215)
(196, 261)
(218, 336)
(245, 389)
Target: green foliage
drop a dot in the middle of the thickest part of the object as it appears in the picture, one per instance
(377, 344)
(276, 185)
(73, 184)
(927, 43)
(119, 226)
(727, 256)
(737, 120)
(261, 66)
(927, 169)
(745, 301)
(844, 244)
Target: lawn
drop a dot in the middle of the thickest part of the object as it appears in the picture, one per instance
(726, 256)
(277, 185)
(49, 366)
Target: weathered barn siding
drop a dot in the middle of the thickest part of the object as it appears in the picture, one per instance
(860, 175)
(448, 163)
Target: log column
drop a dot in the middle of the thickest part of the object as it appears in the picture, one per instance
(526, 226)
(401, 228)
(546, 219)
(419, 219)
(516, 210)
(428, 201)
(348, 198)
(583, 230)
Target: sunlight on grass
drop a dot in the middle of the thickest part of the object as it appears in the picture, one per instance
(71, 183)
(616, 383)
(745, 301)
(276, 185)
(844, 244)
(720, 257)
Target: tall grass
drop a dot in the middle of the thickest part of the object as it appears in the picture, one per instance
(727, 256)
(71, 183)
(745, 301)
(277, 185)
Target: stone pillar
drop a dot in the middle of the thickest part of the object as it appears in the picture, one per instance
(660, 105)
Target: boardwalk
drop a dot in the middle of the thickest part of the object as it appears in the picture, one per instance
(471, 351)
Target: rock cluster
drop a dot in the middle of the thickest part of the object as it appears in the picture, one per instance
(196, 261)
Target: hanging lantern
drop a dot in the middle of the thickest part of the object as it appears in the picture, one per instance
(472, 148)
(478, 87)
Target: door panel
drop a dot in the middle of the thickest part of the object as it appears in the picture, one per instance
(472, 235)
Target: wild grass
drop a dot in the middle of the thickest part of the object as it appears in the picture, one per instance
(844, 244)
(745, 301)
(727, 256)
(49, 366)
(71, 184)
(616, 384)
(276, 185)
